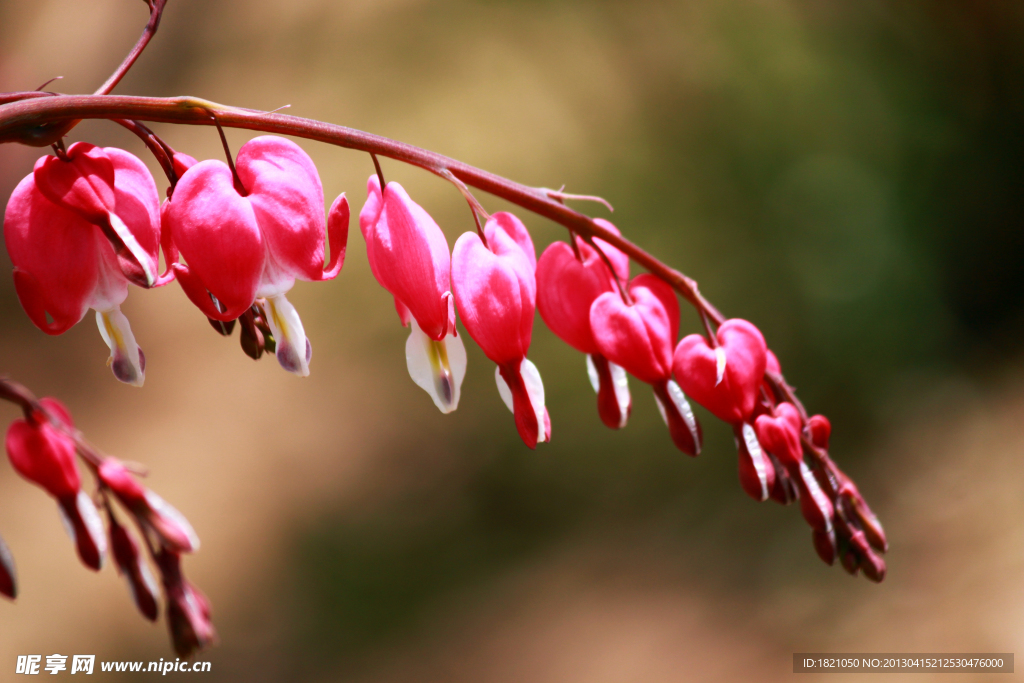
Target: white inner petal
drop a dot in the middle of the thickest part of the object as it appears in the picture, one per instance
(685, 411)
(125, 357)
(661, 409)
(595, 379)
(811, 482)
(437, 367)
(503, 390)
(757, 457)
(535, 390)
(289, 335)
(148, 267)
(620, 380)
(719, 364)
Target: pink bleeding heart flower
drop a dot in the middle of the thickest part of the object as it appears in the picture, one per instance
(566, 288)
(495, 292)
(252, 242)
(408, 255)
(132, 566)
(188, 610)
(724, 379)
(780, 434)
(152, 511)
(639, 337)
(45, 455)
(78, 231)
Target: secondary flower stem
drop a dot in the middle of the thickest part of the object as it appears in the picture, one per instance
(156, 10)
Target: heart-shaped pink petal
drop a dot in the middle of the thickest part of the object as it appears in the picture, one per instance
(83, 183)
(638, 337)
(729, 392)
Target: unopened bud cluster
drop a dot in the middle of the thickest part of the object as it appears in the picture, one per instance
(44, 447)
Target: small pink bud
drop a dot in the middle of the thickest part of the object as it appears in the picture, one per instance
(780, 434)
(132, 566)
(825, 545)
(850, 561)
(153, 511)
(873, 566)
(188, 610)
(82, 522)
(821, 430)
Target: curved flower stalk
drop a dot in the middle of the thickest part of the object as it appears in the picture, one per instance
(250, 236)
(408, 256)
(569, 279)
(78, 230)
(496, 292)
(638, 335)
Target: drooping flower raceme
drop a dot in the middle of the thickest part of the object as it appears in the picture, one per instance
(639, 336)
(78, 230)
(254, 241)
(567, 285)
(408, 255)
(45, 455)
(495, 292)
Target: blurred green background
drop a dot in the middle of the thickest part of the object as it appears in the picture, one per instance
(848, 176)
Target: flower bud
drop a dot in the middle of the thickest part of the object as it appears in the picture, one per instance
(188, 610)
(132, 566)
(158, 516)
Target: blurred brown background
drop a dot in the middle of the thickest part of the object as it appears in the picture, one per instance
(846, 175)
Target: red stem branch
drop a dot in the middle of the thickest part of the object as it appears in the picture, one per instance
(30, 119)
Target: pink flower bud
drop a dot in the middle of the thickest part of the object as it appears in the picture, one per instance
(152, 511)
(821, 430)
(132, 566)
(725, 379)
(825, 545)
(188, 610)
(255, 241)
(780, 434)
(495, 292)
